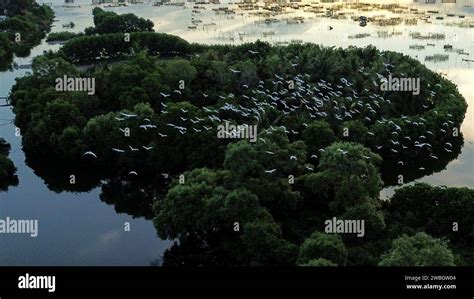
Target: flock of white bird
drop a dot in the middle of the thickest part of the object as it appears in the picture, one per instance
(293, 95)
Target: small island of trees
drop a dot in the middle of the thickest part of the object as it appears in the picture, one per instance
(26, 24)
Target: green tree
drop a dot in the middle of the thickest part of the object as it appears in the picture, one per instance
(318, 135)
(356, 131)
(438, 211)
(353, 172)
(202, 206)
(60, 113)
(264, 169)
(418, 250)
(101, 134)
(110, 22)
(247, 74)
(264, 244)
(176, 70)
(321, 262)
(326, 246)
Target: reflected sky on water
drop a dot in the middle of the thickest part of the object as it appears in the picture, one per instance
(74, 228)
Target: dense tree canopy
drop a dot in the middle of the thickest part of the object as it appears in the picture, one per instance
(62, 36)
(323, 247)
(157, 129)
(26, 25)
(438, 211)
(110, 22)
(203, 207)
(418, 250)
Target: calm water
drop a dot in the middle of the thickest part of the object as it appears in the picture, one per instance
(74, 228)
(80, 229)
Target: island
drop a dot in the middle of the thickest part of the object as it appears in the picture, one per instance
(23, 25)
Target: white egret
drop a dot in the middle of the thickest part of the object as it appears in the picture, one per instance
(90, 153)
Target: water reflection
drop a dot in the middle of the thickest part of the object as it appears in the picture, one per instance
(194, 252)
(61, 176)
(8, 182)
(75, 227)
(413, 169)
(7, 169)
(133, 196)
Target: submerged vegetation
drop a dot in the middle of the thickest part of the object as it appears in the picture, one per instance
(149, 136)
(25, 26)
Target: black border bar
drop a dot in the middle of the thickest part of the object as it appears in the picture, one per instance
(258, 282)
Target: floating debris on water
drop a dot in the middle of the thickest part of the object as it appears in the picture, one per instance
(417, 47)
(359, 35)
(268, 33)
(411, 21)
(418, 35)
(437, 58)
(387, 34)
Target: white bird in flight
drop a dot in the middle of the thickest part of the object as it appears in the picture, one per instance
(128, 115)
(342, 151)
(90, 153)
